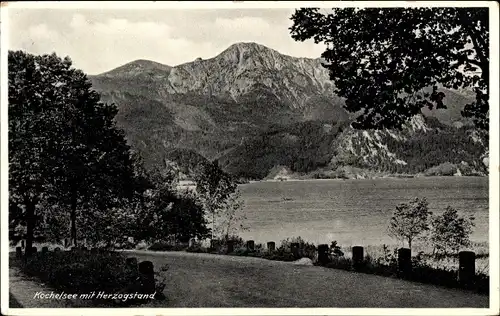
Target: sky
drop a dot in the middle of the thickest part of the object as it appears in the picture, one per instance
(98, 40)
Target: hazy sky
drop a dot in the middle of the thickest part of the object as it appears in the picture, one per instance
(100, 40)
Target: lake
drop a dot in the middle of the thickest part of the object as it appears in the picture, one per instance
(353, 211)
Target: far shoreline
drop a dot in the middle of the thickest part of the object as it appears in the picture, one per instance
(367, 178)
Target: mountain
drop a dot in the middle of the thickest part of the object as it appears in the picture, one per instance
(250, 107)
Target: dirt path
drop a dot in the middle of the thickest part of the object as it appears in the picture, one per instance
(204, 280)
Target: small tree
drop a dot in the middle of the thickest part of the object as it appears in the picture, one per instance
(185, 219)
(410, 220)
(214, 187)
(230, 216)
(449, 231)
(165, 214)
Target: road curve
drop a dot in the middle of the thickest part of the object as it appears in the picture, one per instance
(205, 280)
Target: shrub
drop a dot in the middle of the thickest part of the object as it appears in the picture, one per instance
(165, 246)
(142, 245)
(220, 245)
(388, 258)
(197, 248)
(335, 249)
(279, 254)
(379, 267)
(342, 263)
(306, 249)
(74, 272)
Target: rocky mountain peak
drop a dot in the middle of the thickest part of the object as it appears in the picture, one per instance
(137, 68)
(254, 108)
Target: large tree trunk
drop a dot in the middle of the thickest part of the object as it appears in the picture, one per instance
(30, 226)
(73, 219)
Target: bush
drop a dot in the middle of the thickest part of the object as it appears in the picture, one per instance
(336, 250)
(279, 255)
(220, 245)
(378, 267)
(165, 246)
(197, 248)
(340, 263)
(306, 249)
(142, 245)
(74, 272)
(71, 271)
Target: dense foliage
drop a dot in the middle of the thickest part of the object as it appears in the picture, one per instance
(71, 171)
(64, 147)
(426, 150)
(72, 272)
(303, 147)
(381, 59)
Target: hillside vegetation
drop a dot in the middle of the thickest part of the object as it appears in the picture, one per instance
(253, 109)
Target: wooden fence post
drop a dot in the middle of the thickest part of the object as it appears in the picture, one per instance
(466, 267)
(295, 249)
(271, 246)
(147, 278)
(250, 245)
(230, 246)
(404, 262)
(323, 254)
(357, 257)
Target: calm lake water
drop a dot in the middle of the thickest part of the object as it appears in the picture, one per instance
(353, 211)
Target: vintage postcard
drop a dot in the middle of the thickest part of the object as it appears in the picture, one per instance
(249, 158)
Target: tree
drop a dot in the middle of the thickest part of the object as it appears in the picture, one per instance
(168, 215)
(186, 218)
(230, 216)
(32, 132)
(382, 60)
(214, 187)
(449, 231)
(410, 220)
(64, 146)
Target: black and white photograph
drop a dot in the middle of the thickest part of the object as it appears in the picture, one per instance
(249, 158)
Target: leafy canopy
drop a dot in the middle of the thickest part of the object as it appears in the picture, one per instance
(384, 60)
(64, 146)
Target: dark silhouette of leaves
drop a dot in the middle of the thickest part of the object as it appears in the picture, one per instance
(380, 59)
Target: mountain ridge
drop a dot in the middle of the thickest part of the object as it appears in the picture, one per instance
(219, 106)
(235, 46)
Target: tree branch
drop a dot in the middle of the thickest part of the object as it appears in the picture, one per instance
(463, 59)
(478, 48)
